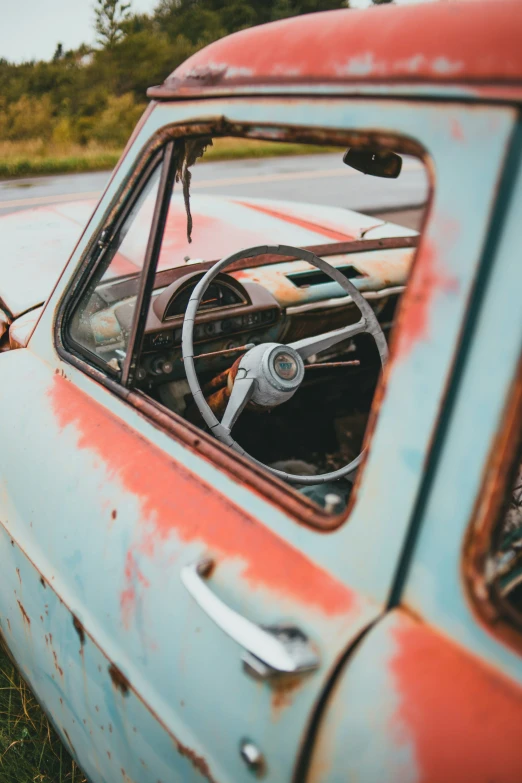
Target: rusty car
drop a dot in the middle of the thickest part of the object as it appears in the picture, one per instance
(260, 506)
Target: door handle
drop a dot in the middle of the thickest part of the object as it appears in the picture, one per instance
(269, 650)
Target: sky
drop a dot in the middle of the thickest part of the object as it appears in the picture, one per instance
(31, 29)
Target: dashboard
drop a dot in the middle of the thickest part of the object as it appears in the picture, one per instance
(262, 303)
(230, 315)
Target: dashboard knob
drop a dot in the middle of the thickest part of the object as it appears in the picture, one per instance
(227, 325)
(161, 366)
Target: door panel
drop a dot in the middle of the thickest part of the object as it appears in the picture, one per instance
(412, 706)
(108, 522)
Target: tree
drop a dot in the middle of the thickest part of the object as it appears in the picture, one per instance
(282, 9)
(110, 18)
(58, 54)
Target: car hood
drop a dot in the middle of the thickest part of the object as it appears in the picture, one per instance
(37, 243)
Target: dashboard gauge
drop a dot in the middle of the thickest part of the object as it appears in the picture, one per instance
(217, 295)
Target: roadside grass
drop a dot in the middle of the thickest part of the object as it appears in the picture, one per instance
(30, 158)
(30, 749)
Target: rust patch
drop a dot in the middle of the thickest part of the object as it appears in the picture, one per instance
(114, 513)
(198, 762)
(79, 629)
(19, 576)
(119, 680)
(57, 665)
(26, 617)
(284, 688)
(42, 582)
(73, 749)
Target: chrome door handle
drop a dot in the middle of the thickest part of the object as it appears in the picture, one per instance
(279, 649)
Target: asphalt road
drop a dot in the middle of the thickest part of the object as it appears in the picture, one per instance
(320, 179)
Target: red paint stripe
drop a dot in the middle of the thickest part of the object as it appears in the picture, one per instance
(336, 236)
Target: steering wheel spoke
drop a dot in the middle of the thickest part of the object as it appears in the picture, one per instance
(320, 342)
(242, 391)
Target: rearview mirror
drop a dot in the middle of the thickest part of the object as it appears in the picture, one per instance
(377, 163)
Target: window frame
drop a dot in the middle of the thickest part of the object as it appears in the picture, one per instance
(301, 508)
(489, 511)
(93, 260)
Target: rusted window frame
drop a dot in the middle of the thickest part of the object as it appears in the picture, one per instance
(93, 260)
(489, 510)
(301, 509)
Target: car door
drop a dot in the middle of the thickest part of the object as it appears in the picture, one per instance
(104, 512)
(434, 691)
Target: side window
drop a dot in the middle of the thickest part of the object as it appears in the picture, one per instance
(301, 291)
(103, 318)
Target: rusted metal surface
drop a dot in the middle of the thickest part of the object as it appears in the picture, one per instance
(480, 538)
(333, 249)
(104, 726)
(437, 43)
(119, 680)
(21, 330)
(332, 365)
(4, 323)
(374, 271)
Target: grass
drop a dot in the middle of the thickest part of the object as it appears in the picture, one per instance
(24, 159)
(29, 158)
(30, 749)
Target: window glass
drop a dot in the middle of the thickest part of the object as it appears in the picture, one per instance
(103, 319)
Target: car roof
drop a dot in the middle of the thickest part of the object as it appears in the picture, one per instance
(471, 44)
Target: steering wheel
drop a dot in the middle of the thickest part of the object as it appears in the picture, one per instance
(271, 373)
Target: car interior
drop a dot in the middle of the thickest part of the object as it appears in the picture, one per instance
(269, 320)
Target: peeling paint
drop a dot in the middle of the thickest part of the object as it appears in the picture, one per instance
(205, 515)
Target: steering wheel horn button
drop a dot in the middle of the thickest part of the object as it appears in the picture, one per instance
(285, 366)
